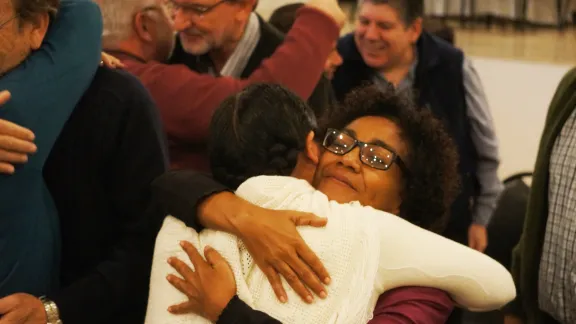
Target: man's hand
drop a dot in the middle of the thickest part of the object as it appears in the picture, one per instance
(110, 61)
(511, 319)
(477, 237)
(278, 249)
(209, 287)
(16, 142)
(331, 8)
(22, 309)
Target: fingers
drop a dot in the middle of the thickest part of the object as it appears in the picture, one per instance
(7, 304)
(13, 144)
(179, 284)
(183, 308)
(276, 283)
(294, 281)
(6, 168)
(182, 268)
(308, 219)
(214, 258)
(194, 255)
(308, 277)
(10, 129)
(11, 157)
(311, 259)
(110, 61)
(4, 97)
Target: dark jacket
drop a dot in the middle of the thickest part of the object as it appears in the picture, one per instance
(527, 254)
(438, 86)
(99, 174)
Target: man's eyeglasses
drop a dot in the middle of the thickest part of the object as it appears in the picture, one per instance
(377, 156)
(195, 9)
(5, 22)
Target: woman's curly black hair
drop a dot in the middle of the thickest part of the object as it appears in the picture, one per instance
(258, 131)
(433, 181)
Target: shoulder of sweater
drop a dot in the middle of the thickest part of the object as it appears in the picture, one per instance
(269, 191)
(117, 87)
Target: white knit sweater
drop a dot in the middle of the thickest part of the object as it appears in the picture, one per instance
(366, 252)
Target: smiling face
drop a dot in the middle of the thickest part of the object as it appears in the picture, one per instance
(381, 35)
(206, 25)
(345, 178)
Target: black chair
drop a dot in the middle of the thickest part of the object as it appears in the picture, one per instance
(504, 233)
(506, 226)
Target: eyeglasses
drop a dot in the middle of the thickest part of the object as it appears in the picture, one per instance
(377, 156)
(195, 9)
(4, 23)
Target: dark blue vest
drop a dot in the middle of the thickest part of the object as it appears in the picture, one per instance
(438, 86)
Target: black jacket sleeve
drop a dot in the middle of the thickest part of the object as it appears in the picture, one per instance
(237, 312)
(180, 192)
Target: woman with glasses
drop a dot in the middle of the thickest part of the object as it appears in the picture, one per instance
(368, 158)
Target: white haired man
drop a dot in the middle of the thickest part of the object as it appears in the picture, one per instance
(140, 33)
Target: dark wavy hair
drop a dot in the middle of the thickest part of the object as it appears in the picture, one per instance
(433, 181)
(258, 131)
(27, 10)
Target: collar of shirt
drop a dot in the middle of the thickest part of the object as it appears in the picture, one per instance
(408, 81)
(237, 61)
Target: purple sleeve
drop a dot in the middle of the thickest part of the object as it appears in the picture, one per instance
(413, 305)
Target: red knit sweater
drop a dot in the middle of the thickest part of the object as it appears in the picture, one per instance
(187, 99)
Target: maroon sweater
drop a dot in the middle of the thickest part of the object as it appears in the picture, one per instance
(187, 99)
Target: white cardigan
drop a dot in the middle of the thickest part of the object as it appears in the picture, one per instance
(366, 252)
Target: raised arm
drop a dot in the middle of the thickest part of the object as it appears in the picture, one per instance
(46, 87)
(297, 64)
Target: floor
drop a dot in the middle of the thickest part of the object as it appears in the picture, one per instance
(537, 45)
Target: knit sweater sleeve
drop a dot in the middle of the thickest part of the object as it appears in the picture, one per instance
(187, 99)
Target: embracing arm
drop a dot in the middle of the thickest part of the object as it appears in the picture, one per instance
(182, 193)
(270, 236)
(238, 312)
(473, 280)
(47, 86)
(304, 49)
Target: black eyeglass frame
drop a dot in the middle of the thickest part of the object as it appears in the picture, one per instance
(199, 10)
(362, 145)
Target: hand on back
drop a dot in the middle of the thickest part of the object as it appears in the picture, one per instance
(16, 142)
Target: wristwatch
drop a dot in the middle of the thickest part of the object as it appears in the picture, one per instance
(52, 313)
